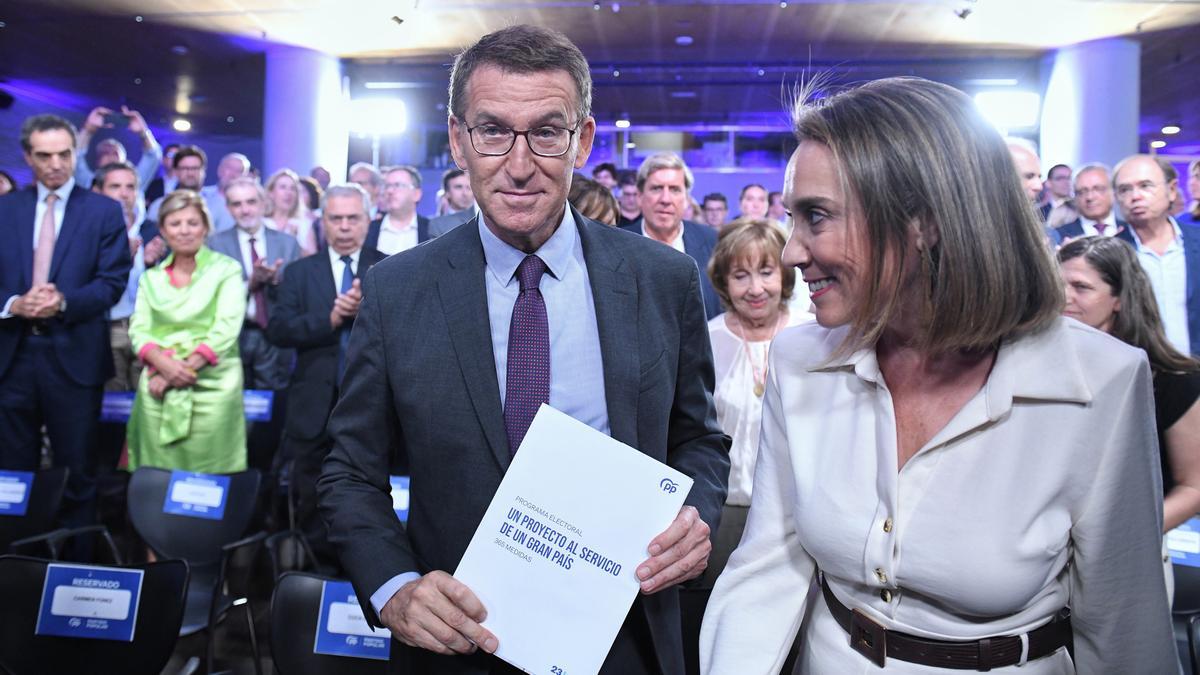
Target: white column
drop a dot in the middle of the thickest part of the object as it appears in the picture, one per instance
(1092, 103)
(304, 112)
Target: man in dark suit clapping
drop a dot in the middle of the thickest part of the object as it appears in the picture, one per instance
(312, 311)
(64, 263)
(459, 340)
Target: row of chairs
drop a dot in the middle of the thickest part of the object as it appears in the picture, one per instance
(186, 594)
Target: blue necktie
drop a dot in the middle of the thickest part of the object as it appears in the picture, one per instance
(528, 374)
(344, 336)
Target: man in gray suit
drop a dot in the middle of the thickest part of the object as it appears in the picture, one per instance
(263, 253)
(457, 342)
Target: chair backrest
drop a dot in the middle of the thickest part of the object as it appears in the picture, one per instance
(45, 496)
(196, 540)
(1187, 589)
(159, 613)
(295, 608)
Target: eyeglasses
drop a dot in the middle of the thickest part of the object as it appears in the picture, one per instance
(397, 186)
(494, 140)
(1145, 187)
(1098, 190)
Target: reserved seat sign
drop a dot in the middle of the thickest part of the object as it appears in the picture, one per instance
(343, 631)
(14, 492)
(82, 601)
(198, 495)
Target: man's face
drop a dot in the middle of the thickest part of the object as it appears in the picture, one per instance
(662, 200)
(1143, 191)
(190, 172)
(246, 206)
(121, 185)
(400, 194)
(52, 157)
(365, 180)
(715, 211)
(1093, 194)
(605, 178)
(230, 168)
(522, 195)
(168, 161)
(753, 203)
(1029, 168)
(1059, 182)
(775, 209)
(628, 199)
(459, 194)
(345, 223)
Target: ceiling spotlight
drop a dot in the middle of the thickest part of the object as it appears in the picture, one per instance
(229, 120)
(631, 145)
(1171, 129)
(622, 124)
(616, 7)
(616, 73)
(783, 4)
(138, 18)
(1158, 144)
(761, 72)
(596, 6)
(684, 40)
(181, 125)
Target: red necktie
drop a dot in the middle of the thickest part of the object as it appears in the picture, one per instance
(260, 297)
(528, 375)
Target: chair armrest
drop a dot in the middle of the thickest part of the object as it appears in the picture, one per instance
(53, 540)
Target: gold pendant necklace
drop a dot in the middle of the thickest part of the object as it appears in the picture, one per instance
(758, 374)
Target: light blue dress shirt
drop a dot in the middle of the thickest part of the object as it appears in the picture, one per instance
(1168, 278)
(576, 365)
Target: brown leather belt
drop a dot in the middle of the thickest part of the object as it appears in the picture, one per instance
(869, 638)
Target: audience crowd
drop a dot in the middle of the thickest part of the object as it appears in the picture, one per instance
(148, 278)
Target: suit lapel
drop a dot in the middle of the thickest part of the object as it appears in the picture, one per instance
(464, 302)
(422, 229)
(26, 213)
(616, 302)
(325, 286)
(69, 232)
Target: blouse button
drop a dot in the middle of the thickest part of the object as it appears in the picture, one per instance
(881, 575)
(887, 525)
(885, 595)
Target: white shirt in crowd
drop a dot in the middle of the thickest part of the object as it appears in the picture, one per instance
(396, 237)
(260, 249)
(1043, 491)
(339, 267)
(676, 243)
(739, 409)
(1168, 277)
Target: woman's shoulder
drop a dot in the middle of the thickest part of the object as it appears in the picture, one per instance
(806, 344)
(221, 264)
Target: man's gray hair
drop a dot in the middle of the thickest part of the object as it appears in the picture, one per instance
(251, 182)
(1090, 166)
(347, 190)
(376, 177)
(522, 50)
(663, 160)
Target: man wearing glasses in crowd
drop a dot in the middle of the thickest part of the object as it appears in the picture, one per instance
(401, 227)
(458, 342)
(1147, 189)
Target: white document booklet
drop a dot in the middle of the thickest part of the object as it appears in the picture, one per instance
(555, 558)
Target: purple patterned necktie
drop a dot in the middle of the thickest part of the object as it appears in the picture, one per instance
(528, 378)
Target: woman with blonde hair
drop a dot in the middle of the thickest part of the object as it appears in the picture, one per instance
(188, 410)
(937, 463)
(287, 212)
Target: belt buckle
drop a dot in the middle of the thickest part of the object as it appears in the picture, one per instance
(867, 637)
(38, 328)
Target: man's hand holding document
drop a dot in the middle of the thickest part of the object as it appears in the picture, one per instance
(557, 559)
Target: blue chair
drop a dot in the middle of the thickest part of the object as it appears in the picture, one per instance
(207, 546)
